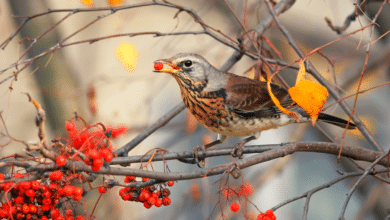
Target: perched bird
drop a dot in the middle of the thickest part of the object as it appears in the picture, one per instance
(232, 105)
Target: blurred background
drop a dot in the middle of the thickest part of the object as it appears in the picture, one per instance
(96, 81)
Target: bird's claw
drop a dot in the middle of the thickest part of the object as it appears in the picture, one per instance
(238, 150)
(200, 161)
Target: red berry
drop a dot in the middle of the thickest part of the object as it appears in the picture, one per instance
(43, 188)
(79, 218)
(155, 195)
(93, 153)
(35, 185)
(98, 162)
(25, 185)
(152, 200)
(18, 175)
(45, 208)
(122, 191)
(46, 194)
(102, 189)
(77, 198)
(94, 168)
(145, 179)
(158, 203)
(68, 189)
(78, 191)
(61, 192)
(1, 177)
(61, 161)
(69, 126)
(25, 208)
(55, 175)
(20, 216)
(234, 207)
(19, 200)
(30, 193)
(125, 197)
(46, 201)
(166, 192)
(246, 189)
(166, 201)
(147, 205)
(33, 208)
(270, 214)
(53, 187)
(116, 131)
(170, 183)
(144, 196)
(129, 179)
(55, 213)
(158, 66)
(88, 161)
(106, 154)
(8, 185)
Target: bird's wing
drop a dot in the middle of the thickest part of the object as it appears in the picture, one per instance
(250, 98)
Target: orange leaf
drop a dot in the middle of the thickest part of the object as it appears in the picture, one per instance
(301, 72)
(310, 96)
(115, 3)
(276, 101)
(88, 3)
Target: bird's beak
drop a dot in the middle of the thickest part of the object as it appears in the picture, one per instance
(167, 70)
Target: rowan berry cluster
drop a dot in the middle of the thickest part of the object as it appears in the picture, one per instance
(92, 141)
(38, 200)
(148, 195)
(245, 190)
(269, 215)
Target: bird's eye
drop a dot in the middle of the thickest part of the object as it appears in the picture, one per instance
(188, 63)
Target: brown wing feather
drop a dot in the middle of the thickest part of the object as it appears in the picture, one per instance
(247, 95)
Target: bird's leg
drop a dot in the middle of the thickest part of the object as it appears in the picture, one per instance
(220, 140)
(195, 151)
(239, 148)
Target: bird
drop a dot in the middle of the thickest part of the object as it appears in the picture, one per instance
(233, 105)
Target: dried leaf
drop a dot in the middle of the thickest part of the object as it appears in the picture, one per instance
(310, 96)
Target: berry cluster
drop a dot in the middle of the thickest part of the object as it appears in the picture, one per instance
(246, 189)
(93, 141)
(148, 195)
(35, 200)
(269, 215)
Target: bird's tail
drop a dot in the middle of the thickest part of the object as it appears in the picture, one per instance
(336, 121)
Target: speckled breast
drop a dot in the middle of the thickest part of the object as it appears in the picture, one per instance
(209, 109)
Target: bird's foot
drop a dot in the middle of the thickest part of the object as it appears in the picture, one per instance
(199, 160)
(238, 150)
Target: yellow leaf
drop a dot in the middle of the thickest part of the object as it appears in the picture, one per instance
(88, 3)
(310, 96)
(127, 54)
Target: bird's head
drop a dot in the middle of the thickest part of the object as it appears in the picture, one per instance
(189, 69)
